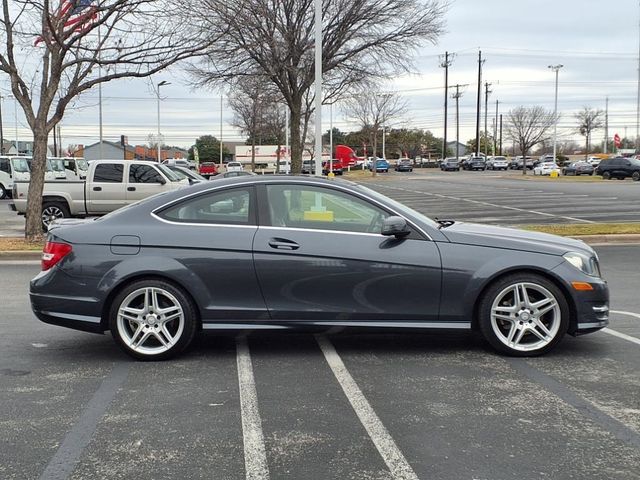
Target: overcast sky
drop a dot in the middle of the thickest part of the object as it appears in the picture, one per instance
(596, 41)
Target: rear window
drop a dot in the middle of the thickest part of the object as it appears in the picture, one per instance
(108, 173)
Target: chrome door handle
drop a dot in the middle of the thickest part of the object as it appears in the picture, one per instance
(283, 244)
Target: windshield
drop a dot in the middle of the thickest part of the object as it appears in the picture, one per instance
(171, 175)
(399, 206)
(56, 164)
(179, 173)
(20, 165)
(82, 164)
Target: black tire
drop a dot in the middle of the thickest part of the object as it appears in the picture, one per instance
(606, 175)
(52, 211)
(635, 176)
(169, 294)
(4, 193)
(496, 292)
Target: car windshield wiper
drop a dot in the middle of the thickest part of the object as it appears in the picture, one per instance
(444, 223)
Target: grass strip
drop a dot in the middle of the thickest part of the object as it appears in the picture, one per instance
(572, 229)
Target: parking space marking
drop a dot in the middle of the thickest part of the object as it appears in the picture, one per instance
(624, 336)
(586, 408)
(255, 457)
(63, 462)
(386, 446)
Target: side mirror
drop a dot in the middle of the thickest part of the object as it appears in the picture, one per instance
(162, 181)
(395, 226)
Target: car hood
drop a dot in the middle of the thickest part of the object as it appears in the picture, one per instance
(512, 238)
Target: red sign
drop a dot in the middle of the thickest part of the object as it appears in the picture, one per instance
(617, 141)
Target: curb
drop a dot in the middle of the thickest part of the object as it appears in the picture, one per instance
(617, 239)
(21, 255)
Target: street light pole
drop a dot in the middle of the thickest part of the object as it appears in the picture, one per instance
(1, 132)
(221, 100)
(161, 84)
(555, 68)
(318, 82)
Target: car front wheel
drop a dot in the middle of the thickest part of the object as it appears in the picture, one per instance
(523, 315)
(152, 320)
(606, 176)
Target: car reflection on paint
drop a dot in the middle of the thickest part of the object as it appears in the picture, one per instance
(263, 251)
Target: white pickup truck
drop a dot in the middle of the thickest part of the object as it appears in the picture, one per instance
(110, 184)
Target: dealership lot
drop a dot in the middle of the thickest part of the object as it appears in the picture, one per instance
(336, 405)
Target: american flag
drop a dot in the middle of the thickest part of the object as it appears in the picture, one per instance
(77, 16)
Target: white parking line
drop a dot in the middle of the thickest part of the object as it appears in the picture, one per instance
(255, 458)
(391, 454)
(624, 336)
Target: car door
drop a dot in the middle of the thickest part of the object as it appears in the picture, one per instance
(212, 233)
(106, 193)
(319, 257)
(143, 181)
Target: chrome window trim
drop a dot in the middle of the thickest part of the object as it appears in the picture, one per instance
(319, 230)
(296, 182)
(195, 224)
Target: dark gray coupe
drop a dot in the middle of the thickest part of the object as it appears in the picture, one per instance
(278, 252)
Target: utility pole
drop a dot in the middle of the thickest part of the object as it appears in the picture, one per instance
(221, 99)
(457, 96)
(637, 142)
(161, 84)
(1, 132)
(555, 68)
(500, 134)
(606, 125)
(480, 62)
(446, 63)
(495, 132)
(486, 111)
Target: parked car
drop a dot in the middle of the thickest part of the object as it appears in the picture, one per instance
(404, 165)
(516, 163)
(474, 163)
(578, 168)
(187, 173)
(239, 173)
(75, 168)
(497, 163)
(110, 184)
(381, 165)
(335, 167)
(308, 167)
(234, 167)
(619, 168)
(545, 168)
(208, 170)
(152, 265)
(594, 161)
(284, 166)
(180, 162)
(450, 164)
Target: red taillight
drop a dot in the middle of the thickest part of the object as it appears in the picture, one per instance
(54, 252)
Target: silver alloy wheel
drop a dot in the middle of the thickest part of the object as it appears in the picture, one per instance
(51, 213)
(525, 316)
(150, 320)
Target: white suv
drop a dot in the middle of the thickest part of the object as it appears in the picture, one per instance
(234, 167)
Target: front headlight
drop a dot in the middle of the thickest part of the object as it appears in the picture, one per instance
(584, 263)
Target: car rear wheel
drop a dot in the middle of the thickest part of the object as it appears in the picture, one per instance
(523, 315)
(52, 211)
(635, 176)
(152, 320)
(606, 176)
(3, 192)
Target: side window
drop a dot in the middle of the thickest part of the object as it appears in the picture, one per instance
(229, 207)
(300, 206)
(144, 174)
(4, 165)
(109, 173)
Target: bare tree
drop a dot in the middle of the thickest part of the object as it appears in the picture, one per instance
(276, 37)
(372, 110)
(528, 127)
(588, 121)
(52, 53)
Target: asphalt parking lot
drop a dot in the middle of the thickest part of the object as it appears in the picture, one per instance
(504, 198)
(337, 405)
